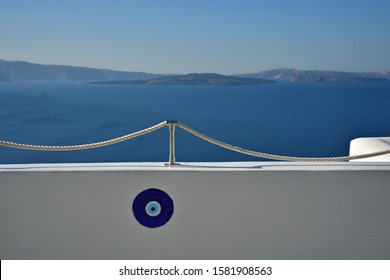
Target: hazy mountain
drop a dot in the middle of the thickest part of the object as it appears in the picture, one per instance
(294, 75)
(21, 70)
(196, 79)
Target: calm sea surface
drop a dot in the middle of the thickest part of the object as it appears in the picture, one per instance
(298, 119)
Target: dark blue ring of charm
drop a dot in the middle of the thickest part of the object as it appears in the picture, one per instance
(148, 212)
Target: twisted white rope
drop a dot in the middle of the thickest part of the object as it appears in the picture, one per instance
(195, 133)
(83, 146)
(276, 157)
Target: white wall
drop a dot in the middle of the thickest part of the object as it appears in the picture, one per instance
(218, 215)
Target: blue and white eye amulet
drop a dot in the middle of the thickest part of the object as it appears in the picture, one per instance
(153, 208)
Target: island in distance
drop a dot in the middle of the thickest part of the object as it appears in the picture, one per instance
(193, 79)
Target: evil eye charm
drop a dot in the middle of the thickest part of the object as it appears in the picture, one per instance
(153, 208)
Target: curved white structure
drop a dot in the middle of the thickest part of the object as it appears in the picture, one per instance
(367, 145)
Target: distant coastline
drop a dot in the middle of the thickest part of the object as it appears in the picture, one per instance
(26, 71)
(294, 76)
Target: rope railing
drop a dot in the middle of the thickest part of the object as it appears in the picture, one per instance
(277, 157)
(171, 125)
(83, 146)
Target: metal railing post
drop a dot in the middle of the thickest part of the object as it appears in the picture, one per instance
(172, 159)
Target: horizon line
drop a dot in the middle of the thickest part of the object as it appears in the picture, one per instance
(185, 73)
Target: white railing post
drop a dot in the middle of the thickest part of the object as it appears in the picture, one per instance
(172, 159)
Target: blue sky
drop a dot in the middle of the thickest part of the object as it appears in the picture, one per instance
(182, 36)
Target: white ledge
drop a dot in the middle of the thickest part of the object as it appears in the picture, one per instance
(197, 166)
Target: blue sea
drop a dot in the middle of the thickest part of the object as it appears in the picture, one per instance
(297, 119)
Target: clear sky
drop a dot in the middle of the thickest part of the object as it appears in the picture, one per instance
(182, 36)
